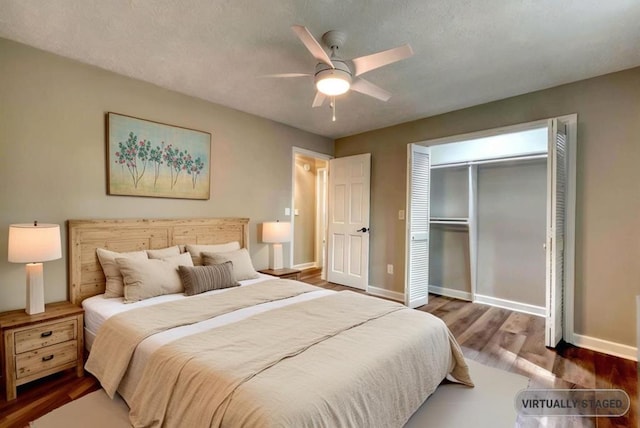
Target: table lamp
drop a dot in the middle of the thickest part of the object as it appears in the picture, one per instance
(276, 232)
(33, 244)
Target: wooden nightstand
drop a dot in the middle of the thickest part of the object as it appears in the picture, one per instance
(34, 346)
(283, 273)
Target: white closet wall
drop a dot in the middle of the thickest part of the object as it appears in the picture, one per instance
(523, 143)
(449, 244)
(449, 262)
(512, 200)
(449, 193)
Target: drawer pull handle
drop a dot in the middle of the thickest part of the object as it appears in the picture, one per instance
(46, 334)
(47, 358)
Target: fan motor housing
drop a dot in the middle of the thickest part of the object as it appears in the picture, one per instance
(340, 66)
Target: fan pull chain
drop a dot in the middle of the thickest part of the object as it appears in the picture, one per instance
(333, 108)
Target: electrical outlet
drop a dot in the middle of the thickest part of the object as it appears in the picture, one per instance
(390, 269)
(401, 215)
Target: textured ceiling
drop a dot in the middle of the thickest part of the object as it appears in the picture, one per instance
(467, 52)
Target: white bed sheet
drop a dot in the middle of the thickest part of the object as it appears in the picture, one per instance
(97, 308)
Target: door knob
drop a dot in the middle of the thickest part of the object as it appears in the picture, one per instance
(364, 229)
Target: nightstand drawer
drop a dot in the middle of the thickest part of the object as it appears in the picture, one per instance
(45, 335)
(32, 362)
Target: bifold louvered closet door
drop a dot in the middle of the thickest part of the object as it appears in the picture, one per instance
(418, 177)
(556, 206)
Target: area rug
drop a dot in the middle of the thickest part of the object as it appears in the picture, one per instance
(489, 404)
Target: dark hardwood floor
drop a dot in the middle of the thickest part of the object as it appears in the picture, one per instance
(492, 336)
(44, 395)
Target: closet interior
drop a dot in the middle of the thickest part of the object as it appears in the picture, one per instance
(488, 219)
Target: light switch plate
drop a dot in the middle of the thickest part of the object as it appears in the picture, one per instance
(401, 215)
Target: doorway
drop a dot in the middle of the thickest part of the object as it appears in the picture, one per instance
(310, 172)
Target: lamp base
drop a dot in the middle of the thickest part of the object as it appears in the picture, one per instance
(35, 289)
(276, 262)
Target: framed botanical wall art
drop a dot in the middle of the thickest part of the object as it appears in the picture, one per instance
(146, 158)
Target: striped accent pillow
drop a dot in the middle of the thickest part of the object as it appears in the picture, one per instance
(198, 279)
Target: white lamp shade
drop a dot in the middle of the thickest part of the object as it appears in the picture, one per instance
(29, 243)
(276, 232)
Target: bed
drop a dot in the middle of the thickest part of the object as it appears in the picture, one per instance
(268, 353)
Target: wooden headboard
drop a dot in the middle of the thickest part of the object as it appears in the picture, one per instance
(84, 236)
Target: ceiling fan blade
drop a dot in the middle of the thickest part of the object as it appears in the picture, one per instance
(368, 88)
(288, 75)
(312, 44)
(319, 99)
(377, 60)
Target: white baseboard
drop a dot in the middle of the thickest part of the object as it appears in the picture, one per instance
(304, 265)
(450, 292)
(606, 347)
(526, 308)
(383, 292)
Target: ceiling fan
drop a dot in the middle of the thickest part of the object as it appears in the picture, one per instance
(333, 76)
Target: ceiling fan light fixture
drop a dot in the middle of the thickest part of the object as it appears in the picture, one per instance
(333, 85)
(333, 75)
(333, 81)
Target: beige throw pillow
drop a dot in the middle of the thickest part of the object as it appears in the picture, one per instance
(163, 253)
(153, 277)
(114, 286)
(197, 250)
(242, 266)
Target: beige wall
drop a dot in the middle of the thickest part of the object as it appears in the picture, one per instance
(52, 155)
(608, 189)
(305, 202)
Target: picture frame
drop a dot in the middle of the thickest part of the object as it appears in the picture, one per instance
(154, 159)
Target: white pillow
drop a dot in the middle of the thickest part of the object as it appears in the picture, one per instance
(114, 286)
(152, 277)
(197, 250)
(241, 260)
(164, 252)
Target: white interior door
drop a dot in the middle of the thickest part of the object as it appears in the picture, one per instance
(348, 251)
(556, 215)
(416, 291)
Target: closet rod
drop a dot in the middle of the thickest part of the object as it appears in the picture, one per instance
(495, 160)
(457, 223)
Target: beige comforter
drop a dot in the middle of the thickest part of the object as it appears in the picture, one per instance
(344, 360)
(119, 336)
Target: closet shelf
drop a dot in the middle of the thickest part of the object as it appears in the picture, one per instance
(450, 220)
